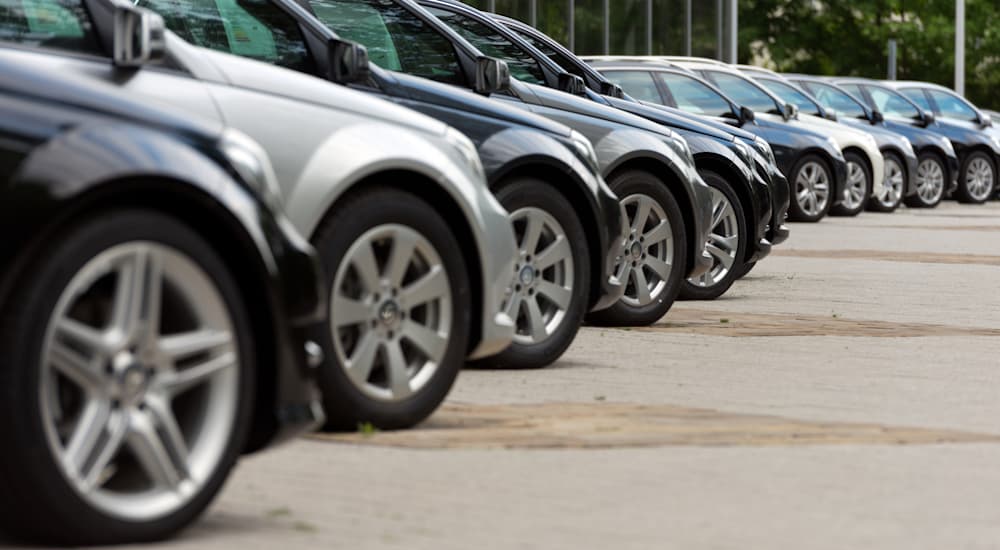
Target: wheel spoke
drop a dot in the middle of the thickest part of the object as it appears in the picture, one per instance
(136, 306)
(77, 368)
(188, 344)
(532, 232)
(359, 366)
(396, 367)
(366, 265)
(721, 213)
(514, 305)
(83, 336)
(173, 439)
(559, 295)
(403, 245)
(117, 428)
(83, 445)
(348, 312)
(430, 287)
(641, 286)
(432, 344)
(556, 252)
(720, 254)
(180, 381)
(642, 210)
(660, 267)
(153, 453)
(536, 323)
(661, 232)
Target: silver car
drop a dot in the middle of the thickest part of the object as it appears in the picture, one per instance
(418, 253)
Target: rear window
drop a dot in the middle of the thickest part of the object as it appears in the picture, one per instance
(56, 24)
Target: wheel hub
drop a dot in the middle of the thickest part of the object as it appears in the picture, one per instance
(636, 250)
(527, 275)
(389, 313)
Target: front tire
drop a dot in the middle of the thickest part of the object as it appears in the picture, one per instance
(812, 186)
(857, 189)
(977, 179)
(127, 385)
(930, 182)
(655, 258)
(400, 305)
(727, 243)
(895, 185)
(551, 283)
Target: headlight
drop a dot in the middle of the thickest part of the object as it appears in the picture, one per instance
(947, 146)
(996, 141)
(467, 153)
(833, 143)
(252, 164)
(585, 150)
(764, 148)
(908, 146)
(682, 145)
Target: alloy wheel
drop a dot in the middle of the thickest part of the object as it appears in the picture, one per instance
(979, 179)
(892, 192)
(542, 288)
(857, 186)
(930, 181)
(390, 312)
(723, 242)
(812, 188)
(139, 381)
(646, 263)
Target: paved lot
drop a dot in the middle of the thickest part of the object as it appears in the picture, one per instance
(844, 395)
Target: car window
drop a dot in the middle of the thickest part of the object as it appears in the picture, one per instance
(835, 99)
(638, 84)
(396, 38)
(693, 96)
(952, 106)
(793, 96)
(564, 62)
(522, 66)
(744, 92)
(248, 28)
(917, 96)
(61, 24)
(891, 104)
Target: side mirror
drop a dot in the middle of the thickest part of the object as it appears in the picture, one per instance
(492, 75)
(572, 84)
(348, 61)
(984, 120)
(877, 117)
(611, 89)
(746, 115)
(790, 111)
(927, 118)
(831, 114)
(138, 37)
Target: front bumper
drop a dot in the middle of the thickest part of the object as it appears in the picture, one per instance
(497, 254)
(953, 169)
(781, 196)
(839, 180)
(912, 164)
(763, 191)
(612, 229)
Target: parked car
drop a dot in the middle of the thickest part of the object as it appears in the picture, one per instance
(384, 193)
(933, 151)
(865, 162)
(650, 168)
(978, 173)
(813, 163)
(157, 304)
(940, 177)
(741, 197)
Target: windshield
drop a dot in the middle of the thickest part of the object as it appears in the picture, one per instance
(835, 99)
(891, 103)
(744, 92)
(694, 96)
(793, 96)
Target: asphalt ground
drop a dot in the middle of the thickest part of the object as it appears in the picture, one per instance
(843, 395)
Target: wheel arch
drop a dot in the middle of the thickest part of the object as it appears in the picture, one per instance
(729, 174)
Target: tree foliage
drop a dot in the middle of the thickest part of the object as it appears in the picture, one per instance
(850, 38)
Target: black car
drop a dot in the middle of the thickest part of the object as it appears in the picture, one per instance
(977, 147)
(156, 306)
(799, 152)
(741, 197)
(935, 153)
(645, 164)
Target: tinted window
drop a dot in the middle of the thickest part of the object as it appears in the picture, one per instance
(396, 39)
(835, 99)
(249, 28)
(744, 92)
(693, 96)
(917, 96)
(892, 104)
(62, 24)
(952, 106)
(564, 62)
(522, 66)
(793, 96)
(638, 84)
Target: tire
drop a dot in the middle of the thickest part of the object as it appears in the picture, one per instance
(388, 364)
(857, 189)
(977, 179)
(895, 185)
(729, 220)
(668, 254)
(548, 302)
(812, 186)
(745, 270)
(930, 182)
(60, 321)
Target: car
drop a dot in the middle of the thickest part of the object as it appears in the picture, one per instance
(940, 178)
(158, 305)
(568, 222)
(978, 175)
(865, 162)
(812, 161)
(904, 182)
(649, 167)
(741, 197)
(417, 253)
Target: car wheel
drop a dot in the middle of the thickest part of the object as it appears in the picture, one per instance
(548, 292)
(977, 180)
(127, 384)
(895, 185)
(930, 182)
(857, 189)
(400, 305)
(813, 186)
(745, 269)
(654, 261)
(727, 243)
